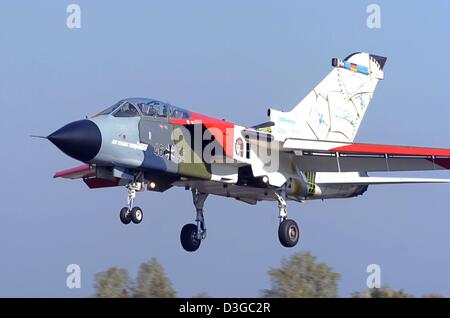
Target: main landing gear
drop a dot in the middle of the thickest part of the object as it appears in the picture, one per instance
(192, 234)
(132, 213)
(288, 231)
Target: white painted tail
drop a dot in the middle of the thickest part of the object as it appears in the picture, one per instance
(334, 109)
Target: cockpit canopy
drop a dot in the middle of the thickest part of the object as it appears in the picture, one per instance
(135, 107)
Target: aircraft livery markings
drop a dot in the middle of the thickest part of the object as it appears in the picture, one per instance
(135, 146)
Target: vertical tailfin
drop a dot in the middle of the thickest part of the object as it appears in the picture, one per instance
(334, 109)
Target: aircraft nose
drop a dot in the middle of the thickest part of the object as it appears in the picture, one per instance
(80, 139)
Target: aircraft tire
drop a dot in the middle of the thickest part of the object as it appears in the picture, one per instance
(125, 217)
(136, 215)
(188, 238)
(288, 233)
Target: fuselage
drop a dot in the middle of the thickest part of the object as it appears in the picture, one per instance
(167, 145)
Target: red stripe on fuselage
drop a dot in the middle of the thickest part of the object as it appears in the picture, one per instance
(222, 130)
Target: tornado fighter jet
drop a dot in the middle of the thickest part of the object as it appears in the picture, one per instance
(307, 153)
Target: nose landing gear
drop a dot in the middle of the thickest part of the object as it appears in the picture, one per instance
(132, 213)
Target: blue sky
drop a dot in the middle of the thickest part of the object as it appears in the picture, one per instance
(233, 60)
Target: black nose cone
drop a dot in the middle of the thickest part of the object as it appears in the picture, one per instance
(80, 140)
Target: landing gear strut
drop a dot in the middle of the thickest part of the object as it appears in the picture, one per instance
(132, 213)
(192, 234)
(288, 231)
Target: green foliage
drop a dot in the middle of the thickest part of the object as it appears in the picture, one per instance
(112, 283)
(432, 295)
(301, 276)
(152, 282)
(383, 292)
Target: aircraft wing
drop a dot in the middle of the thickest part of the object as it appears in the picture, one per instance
(78, 172)
(324, 156)
(332, 179)
(89, 175)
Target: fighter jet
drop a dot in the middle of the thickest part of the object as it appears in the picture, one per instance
(303, 154)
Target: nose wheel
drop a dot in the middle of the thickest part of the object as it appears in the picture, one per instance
(132, 213)
(125, 216)
(135, 215)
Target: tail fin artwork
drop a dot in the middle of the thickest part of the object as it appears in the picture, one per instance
(334, 109)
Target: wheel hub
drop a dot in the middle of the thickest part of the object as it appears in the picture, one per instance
(194, 238)
(293, 233)
(138, 215)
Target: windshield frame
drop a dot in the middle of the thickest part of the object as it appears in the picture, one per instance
(111, 109)
(172, 112)
(118, 109)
